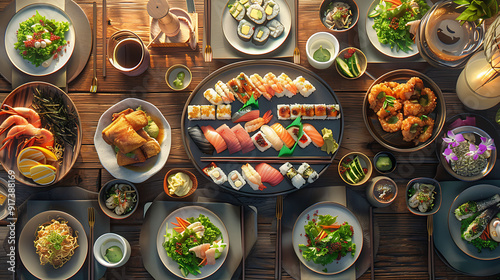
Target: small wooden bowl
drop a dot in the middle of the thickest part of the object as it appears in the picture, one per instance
(102, 199)
(365, 163)
(191, 176)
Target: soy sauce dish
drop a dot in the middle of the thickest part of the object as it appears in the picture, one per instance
(423, 196)
(178, 77)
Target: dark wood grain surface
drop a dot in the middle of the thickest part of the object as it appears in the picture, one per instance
(403, 237)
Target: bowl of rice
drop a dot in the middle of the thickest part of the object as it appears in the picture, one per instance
(339, 16)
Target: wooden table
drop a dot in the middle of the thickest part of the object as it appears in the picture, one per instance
(403, 237)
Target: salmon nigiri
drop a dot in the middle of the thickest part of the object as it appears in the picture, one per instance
(214, 138)
(269, 174)
(283, 135)
(244, 138)
(233, 145)
(311, 131)
(252, 177)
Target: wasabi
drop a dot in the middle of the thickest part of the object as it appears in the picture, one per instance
(113, 254)
(330, 145)
(321, 55)
(384, 163)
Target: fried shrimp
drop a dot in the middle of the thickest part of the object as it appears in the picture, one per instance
(391, 123)
(377, 95)
(391, 85)
(427, 100)
(426, 129)
(412, 108)
(410, 90)
(391, 107)
(411, 128)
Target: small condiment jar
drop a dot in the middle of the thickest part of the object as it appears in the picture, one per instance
(382, 191)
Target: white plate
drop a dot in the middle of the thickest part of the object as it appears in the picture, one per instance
(107, 154)
(230, 29)
(31, 259)
(187, 212)
(385, 48)
(50, 12)
(343, 215)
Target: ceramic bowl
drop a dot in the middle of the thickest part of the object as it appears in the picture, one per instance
(437, 196)
(365, 163)
(103, 196)
(363, 62)
(385, 154)
(325, 40)
(171, 76)
(324, 8)
(106, 241)
(382, 191)
(191, 176)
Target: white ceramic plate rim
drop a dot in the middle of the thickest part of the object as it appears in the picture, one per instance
(27, 251)
(344, 215)
(230, 30)
(51, 12)
(186, 212)
(107, 155)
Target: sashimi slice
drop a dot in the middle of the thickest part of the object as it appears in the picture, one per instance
(210, 254)
(233, 145)
(245, 117)
(214, 138)
(269, 174)
(244, 138)
(316, 138)
(283, 135)
(200, 250)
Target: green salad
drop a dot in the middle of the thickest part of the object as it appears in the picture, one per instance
(326, 240)
(391, 17)
(39, 38)
(193, 243)
(481, 242)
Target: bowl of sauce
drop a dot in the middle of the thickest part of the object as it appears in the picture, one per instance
(385, 162)
(321, 49)
(112, 250)
(179, 183)
(382, 191)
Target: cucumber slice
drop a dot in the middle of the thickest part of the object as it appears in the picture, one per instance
(374, 13)
(357, 63)
(344, 68)
(351, 62)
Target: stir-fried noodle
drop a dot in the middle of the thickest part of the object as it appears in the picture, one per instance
(55, 243)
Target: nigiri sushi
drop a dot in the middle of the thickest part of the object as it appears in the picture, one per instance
(261, 142)
(293, 175)
(236, 180)
(200, 140)
(223, 112)
(304, 141)
(225, 93)
(244, 138)
(236, 86)
(214, 138)
(194, 112)
(269, 174)
(288, 85)
(283, 111)
(252, 177)
(248, 85)
(283, 135)
(272, 81)
(311, 131)
(218, 176)
(207, 112)
(272, 137)
(212, 96)
(245, 115)
(233, 145)
(308, 173)
(304, 86)
(253, 125)
(264, 88)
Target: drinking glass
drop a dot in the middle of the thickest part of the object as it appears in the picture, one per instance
(128, 53)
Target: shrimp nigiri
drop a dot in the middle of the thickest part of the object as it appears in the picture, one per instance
(290, 88)
(253, 125)
(224, 92)
(252, 177)
(266, 89)
(272, 81)
(311, 131)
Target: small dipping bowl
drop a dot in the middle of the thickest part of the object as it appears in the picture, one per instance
(327, 41)
(191, 176)
(363, 62)
(106, 241)
(437, 196)
(365, 163)
(102, 199)
(171, 76)
(383, 154)
(382, 191)
(323, 8)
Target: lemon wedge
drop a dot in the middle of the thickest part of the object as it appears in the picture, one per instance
(43, 174)
(49, 155)
(25, 166)
(31, 153)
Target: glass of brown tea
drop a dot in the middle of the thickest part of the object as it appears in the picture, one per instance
(128, 53)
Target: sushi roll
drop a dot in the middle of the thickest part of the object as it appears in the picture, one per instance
(244, 138)
(290, 89)
(224, 92)
(293, 175)
(194, 112)
(260, 141)
(214, 138)
(207, 112)
(272, 137)
(285, 167)
(258, 2)
(260, 35)
(304, 86)
(235, 180)
(283, 135)
(275, 28)
(218, 176)
(333, 112)
(200, 140)
(223, 112)
(315, 136)
(295, 111)
(212, 96)
(272, 9)
(269, 174)
(245, 30)
(256, 14)
(207, 169)
(320, 111)
(283, 112)
(304, 141)
(308, 173)
(307, 111)
(233, 145)
(237, 10)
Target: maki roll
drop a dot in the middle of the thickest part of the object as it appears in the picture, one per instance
(245, 30)
(237, 10)
(261, 35)
(295, 111)
(275, 28)
(320, 111)
(218, 176)
(308, 173)
(223, 112)
(271, 9)
(207, 112)
(200, 140)
(194, 112)
(256, 14)
(283, 112)
(236, 180)
(285, 167)
(260, 141)
(307, 111)
(304, 141)
(291, 174)
(333, 112)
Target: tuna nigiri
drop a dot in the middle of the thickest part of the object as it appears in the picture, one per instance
(269, 174)
(245, 115)
(252, 177)
(283, 135)
(233, 145)
(244, 139)
(311, 131)
(214, 138)
(272, 137)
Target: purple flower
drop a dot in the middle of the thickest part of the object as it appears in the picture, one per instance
(453, 139)
(473, 151)
(486, 144)
(449, 155)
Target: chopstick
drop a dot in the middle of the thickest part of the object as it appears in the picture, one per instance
(310, 160)
(279, 215)
(104, 36)
(430, 247)
(372, 255)
(242, 222)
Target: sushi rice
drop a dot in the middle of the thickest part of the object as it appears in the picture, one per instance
(307, 111)
(194, 112)
(271, 9)
(256, 14)
(283, 111)
(295, 111)
(292, 175)
(261, 35)
(212, 96)
(207, 112)
(304, 86)
(223, 112)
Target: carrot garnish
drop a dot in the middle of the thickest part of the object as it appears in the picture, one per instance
(395, 2)
(203, 261)
(486, 234)
(334, 226)
(177, 225)
(183, 223)
(178, 229)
